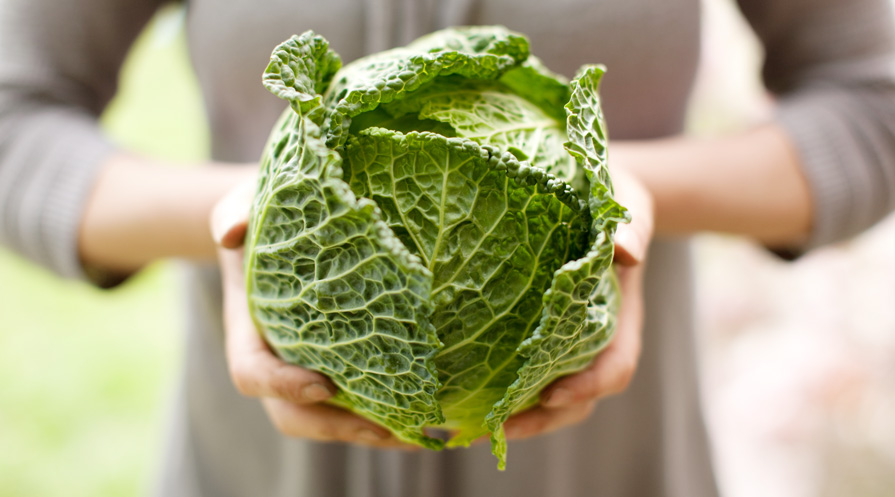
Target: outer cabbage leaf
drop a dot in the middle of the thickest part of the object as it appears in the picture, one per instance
(332, 289)
(301, 69)
(579, 309)
(492, 242)
(473, 52)
(587, 143)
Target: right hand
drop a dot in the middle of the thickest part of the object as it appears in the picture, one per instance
(292, 396)
(571, 399)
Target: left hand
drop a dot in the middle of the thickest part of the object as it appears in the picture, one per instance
(571, 399)
(292, 396)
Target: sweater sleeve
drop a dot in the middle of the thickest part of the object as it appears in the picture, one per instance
(831, 65)
(59, 63)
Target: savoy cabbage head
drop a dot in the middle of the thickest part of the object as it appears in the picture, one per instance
(433, 229)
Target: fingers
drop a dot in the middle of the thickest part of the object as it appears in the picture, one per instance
(230, 216)
(630, 244)
(256, 372)
(290, 394)
(541, 420)
(613, 369)
(328, 424)
(571, 399)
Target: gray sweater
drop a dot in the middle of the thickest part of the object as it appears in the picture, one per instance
(829, 62)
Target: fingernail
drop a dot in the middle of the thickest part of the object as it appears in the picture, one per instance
(558, 398)
(234, 237)
(315, 392)
(368, 435)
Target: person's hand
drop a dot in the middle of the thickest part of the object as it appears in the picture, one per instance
(292, 396)
(571, 399)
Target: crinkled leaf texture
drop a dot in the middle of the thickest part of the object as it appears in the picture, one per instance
(462, 260)
(580, 307)
(334, 290)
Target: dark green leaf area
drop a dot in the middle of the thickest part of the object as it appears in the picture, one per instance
(579, 309)
(578, 321)
(406, 123)
(567, 335)
(333, 290)
(492, 244)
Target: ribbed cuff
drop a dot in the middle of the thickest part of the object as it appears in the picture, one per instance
(824, 163)
(66, 200)
(54, 161)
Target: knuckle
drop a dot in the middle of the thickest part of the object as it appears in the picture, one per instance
(538, 425)
(281, 385)
(593, 385)
(289, 421)
(522, 431)
(625, 376)
(328, 432)
(243, 379)
(282, 427)
(280, 423)
(585, 412)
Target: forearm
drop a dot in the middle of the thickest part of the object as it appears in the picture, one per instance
(749, 184)
(140, 211)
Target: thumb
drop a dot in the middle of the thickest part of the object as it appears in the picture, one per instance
(230, 216)
(632, 239)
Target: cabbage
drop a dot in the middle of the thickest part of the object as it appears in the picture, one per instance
(433, 229)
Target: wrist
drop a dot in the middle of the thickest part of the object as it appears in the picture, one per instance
(192, 203)
(747, 184)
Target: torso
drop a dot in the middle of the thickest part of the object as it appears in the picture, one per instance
(650, 48)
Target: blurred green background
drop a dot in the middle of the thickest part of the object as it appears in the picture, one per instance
(85, 374)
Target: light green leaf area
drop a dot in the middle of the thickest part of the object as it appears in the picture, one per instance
(580, 308)
(473, 52)
(488, 112)
(334, 290)
(492, 241)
